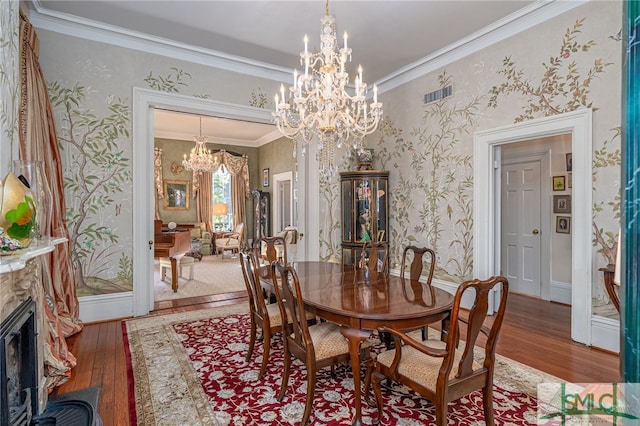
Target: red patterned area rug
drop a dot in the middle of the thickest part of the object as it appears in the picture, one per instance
(190, 369)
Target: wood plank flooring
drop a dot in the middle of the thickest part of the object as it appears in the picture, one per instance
(535, 333)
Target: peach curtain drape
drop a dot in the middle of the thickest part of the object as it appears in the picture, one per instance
(38, 142)
(204, 199)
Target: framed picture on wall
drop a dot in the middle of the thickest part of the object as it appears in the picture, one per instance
(265, 177)
(176, 195)
(563, 224)
(558, 183)
(569, 161)
(562, 203)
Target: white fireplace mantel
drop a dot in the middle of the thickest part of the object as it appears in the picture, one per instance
(18, 260)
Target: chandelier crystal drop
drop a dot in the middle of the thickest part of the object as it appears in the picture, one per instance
(201, 159)
(318, 104)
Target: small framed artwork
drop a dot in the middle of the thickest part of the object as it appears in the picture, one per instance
(563, 224)
(558, 183)
(562, 203)
(176, 195)
(569, 161)
(570, 180)
(265, 177)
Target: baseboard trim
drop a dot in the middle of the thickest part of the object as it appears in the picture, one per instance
(106, 307)
(560, 292)
(605, 333)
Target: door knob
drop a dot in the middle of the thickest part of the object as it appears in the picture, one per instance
(150, 244)
(536, 232)
(300, 235)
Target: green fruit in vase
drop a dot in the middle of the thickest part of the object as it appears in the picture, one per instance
(18, 212)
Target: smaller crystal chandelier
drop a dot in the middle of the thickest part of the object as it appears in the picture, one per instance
(318, 105)
(201, 159)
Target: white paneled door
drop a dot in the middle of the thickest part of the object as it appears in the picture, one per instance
(520, 228)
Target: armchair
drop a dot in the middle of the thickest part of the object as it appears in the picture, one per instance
(199, 232)
(230, 241)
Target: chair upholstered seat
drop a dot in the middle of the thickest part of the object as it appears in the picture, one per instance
(423, 369)
(185, 262)
(327, 340)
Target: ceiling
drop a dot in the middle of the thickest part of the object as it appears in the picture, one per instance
(386, 36)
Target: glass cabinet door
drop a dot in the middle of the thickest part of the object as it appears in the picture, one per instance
(363, 209)
(347, 210)
(381, 210)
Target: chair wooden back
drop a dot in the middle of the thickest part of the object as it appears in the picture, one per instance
(270, 252)
(289, 298)
(257, 304)
(374, 256)
(417, 262)
(472, 326)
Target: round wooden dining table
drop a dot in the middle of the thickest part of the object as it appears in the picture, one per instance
(363, 300)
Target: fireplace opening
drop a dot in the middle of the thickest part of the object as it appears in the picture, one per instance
(19, 378)
(18, 366)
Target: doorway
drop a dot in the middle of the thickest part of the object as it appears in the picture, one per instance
(145, 101)
(487, 215)
(283, 205)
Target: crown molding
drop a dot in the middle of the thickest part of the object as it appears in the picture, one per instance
(43, 18)
(528, 17)
(515, 23)
(188, 138)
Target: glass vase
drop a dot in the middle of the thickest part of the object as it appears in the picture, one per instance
(33, 175)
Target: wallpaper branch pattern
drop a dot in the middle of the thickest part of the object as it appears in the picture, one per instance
(556, 92)
(98, 169)
(437, 185)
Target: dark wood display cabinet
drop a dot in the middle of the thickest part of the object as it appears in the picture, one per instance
(365, 210)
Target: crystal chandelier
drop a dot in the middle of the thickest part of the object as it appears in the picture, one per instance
(201, 159)
(319, 105)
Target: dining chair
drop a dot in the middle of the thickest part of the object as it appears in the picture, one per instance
(416, 255)
(263, 315)
(374, 256)
(268, 250)
(317, 346)
(272, 248)
(442, 371)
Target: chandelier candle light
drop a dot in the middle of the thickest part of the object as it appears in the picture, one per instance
(319, 105)
(201, 158)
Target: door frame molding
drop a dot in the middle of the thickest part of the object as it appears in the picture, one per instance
(144, 101)
(277, 178)
(485, 210)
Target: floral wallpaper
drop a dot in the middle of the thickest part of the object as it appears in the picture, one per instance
(427, 148)
(9, 82)
(95, 177)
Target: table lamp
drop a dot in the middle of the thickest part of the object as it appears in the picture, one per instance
(219, 210)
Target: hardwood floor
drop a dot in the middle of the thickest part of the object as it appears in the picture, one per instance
(535, 333)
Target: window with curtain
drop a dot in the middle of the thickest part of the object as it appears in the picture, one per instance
(221, 199)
